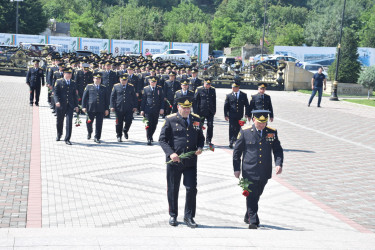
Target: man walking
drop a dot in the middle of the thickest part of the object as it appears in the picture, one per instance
(35, 78)
(317, 86)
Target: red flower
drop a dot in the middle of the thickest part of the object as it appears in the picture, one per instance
(79, 99)
(147, 127)
(245, 193)
(170, 106)
(116, 121)
(203, 127)
(88, 121)
(241, 123)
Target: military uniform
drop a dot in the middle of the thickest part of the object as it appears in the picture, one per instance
(95, 100)
(180, 136)
(205, 107)
(109, 78)
(123, 100)
(261, 102)
(65, 94)
(35, 78)
(255, 147)
(170, 88)
(138, 87)
(194, 83)
(152, 103)
(234, 106)
(49, 76)
(82, 79)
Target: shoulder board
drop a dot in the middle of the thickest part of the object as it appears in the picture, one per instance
(171, 115)
(60, 78)
(55, 84)
(271, 128)
(212, 87)
(130, 84)
(246, 128)
(147, 87)
(191, 91)
(90, 84)
(179, 91)
(195, 115)
(200, 87)
(158, 86)
(117, 84)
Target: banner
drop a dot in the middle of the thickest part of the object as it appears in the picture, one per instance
(124, 47)
(191, 48)
(154, 47)
(67, 44)
(7, 39)
(25, 39)
(323, 55)
(94, 45)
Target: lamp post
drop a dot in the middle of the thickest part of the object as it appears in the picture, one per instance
(16, 13)
(264, 27)
(335, 83)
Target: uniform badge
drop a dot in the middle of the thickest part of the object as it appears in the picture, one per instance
(270, 137)
(239, 135)
(196, 125)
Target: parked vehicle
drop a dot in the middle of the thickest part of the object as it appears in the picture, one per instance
(313, 68)
(173, 54)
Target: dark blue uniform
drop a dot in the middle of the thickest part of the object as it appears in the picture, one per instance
(95, 100)
(205, 107)
(194, 83)
(234, 109)
(49, 77)
(82, 79)
(152, 103)
(109, 78)
(35, 78)
(256, 152)
(123, 100)
(170, 88)
(66, 95)
(178, 94)
(177, 137)
(260, 102)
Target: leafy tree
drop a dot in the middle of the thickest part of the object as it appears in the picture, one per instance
(246, 35)
(349, 67)
(367, 31)
(185, 13)
(367, 78)
(223, 30)
(84, 25)
(31, 20)
(279, 15)
(289, 35)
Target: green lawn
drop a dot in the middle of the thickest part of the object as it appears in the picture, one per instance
(306, 91)
(368, 102)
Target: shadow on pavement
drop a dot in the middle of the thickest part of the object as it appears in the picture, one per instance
(301, 151)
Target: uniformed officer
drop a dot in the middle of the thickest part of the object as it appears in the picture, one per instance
(138, 84)
(66, 100)
(194, 81)
(35, 78)
(82, 78)
(152, 105)
(182, 133)
(205, 106)
(124, 103)
(255, 145)
(261, 101)
(49, 76)
(109, 78)
(170, 88)
(234, 106)
(182, 92)
(95, 103)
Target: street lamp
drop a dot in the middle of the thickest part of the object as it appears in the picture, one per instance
(335, 83)
(264, 26)
(16, 13)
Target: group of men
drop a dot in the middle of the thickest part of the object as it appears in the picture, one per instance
(125, 86)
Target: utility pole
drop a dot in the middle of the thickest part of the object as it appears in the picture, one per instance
(120, 27)
(264, 27)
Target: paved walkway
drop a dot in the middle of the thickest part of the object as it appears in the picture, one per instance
(114, 194)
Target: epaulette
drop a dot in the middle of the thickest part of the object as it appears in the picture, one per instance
(147, 87)
(158, 86)
(200, 87)
(191, 91)
(90, 84)
(246, 128)
(273, 129)
(171, 115)
(60, 78)
(213, 87)
(195, 115)
(180, 90)
(117, 84)
(130, 84)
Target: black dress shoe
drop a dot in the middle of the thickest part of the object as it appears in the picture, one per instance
(149, 142)
(53, 111)
(253, 226)
(58, 138)
(231, 145)
(126, 135)
(246, 220)
(96, 140)
(190, 222)
(119, 139)
(173, 221)
(88, 136)
(31, 104)
(36, 104)
(67, 142)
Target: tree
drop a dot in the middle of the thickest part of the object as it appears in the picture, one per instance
(349, 67)
(223, 30)
(84, 25)
(31, 19)
(280, 16)
(289, 35)
(367, 31)
(246, 35)
(367, 78)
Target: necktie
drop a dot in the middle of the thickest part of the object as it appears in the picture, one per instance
(260, 133)
(186, 122)
(97, 87)
(68, 82)
(184, 93)
(237, 95)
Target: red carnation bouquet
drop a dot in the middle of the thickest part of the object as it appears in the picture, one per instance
(244, 184)
(242, 122)
(189, 154)
(146, 122)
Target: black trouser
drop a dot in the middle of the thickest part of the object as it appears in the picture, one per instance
(98, 125)
(49, 96)
(122, 117)
(210, 126)
(153, 119)
(139, 101)
(252, 201)
(234, 128)
(61, 113)
(34, 91)
(174, 173)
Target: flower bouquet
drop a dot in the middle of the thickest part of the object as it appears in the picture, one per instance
(146, 122)
(189, 154)
(170, 105)
(242, 121)
(77, 121)
(202, 122)
(244, 184)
